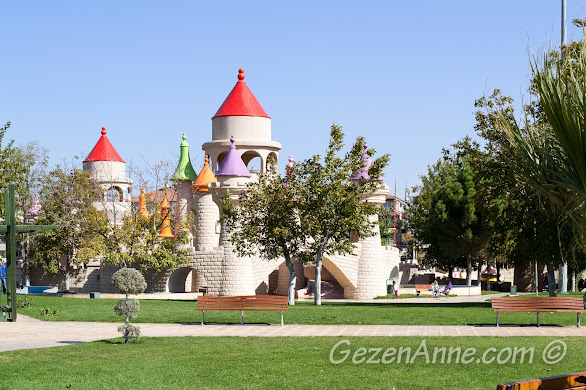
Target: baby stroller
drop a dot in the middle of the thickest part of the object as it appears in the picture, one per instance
(447, 290)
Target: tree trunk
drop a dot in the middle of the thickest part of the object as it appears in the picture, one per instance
(450, 271)
(563, 271)
(292, 280)
(498, 271)
(317, 283)
(66, 276)
(468, 272)
(550, 279)
(479, 274)
(487, 275)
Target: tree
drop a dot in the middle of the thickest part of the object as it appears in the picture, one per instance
(529, 226)
(66, 200)
(330, 206)
(128, 281)
(132, 240)
(386, 222)
(266, 223)
(15, 167)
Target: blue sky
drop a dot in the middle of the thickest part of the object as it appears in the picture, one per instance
(402, 74)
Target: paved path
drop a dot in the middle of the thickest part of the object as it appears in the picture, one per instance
(29, 333)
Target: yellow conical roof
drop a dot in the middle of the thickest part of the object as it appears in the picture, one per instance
(205, 176)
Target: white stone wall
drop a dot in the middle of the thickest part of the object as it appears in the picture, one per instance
(207, 215)
(241, 127)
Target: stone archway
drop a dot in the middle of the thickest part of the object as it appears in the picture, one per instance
(335, 284)
(180, 280)
(395, 274)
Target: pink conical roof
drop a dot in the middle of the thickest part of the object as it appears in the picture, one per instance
(103, 151)
(241, 101)
(232, 165)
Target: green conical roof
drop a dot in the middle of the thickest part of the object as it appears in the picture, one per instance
(184, 169)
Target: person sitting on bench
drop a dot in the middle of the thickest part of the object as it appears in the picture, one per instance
(435, 289)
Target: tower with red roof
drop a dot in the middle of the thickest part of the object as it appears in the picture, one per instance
(241, 116)
(108, 169)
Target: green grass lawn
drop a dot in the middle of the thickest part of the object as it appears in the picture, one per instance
(273, 363)
(78, 309)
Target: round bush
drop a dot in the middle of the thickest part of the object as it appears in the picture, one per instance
(127, 307)
(129, 281)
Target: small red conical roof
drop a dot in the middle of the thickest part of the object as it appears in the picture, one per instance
(241, 101)
(103, 151)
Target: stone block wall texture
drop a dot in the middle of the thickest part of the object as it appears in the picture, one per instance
(184, 204)
(207, 215)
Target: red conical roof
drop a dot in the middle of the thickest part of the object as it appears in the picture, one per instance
(241, 101)
(103, 151)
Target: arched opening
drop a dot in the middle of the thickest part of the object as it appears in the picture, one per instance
(334, 283)
(272, 160)
(114, 194)
(221, 157)
(178, 280)
(395, 275)
(253, 161)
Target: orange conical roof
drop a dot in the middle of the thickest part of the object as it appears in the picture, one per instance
(165, 231)
(241, 101)
(200, 184)
(103, 151)
(142, 210)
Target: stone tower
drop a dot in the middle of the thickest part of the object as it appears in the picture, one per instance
(232, 176)
(207, 214)
(108, 169)
(371, 264)
(241, 116)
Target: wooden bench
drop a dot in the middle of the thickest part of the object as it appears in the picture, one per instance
(570, 381)
(243, 303)
(538, 305)
(422, 287)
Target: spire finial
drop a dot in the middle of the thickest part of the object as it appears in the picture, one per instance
(240, 75)
(103, 130)
(184, 137)
(207, 159)
(232, 142)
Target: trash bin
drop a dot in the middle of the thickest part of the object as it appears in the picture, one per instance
(389, 287)
(513, 290)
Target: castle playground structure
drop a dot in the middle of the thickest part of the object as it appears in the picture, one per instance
(241, 132)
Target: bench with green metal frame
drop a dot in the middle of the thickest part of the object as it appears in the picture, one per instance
(10, 229)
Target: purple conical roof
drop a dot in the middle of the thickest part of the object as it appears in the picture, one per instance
(233, 164)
